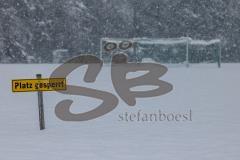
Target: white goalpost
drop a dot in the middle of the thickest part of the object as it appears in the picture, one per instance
(182, 50)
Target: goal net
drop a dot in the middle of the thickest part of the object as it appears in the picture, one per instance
(163, 50)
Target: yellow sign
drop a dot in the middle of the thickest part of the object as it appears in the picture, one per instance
(31, 85)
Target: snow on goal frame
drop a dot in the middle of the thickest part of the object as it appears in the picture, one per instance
(163, 50)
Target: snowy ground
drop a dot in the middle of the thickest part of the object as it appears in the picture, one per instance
(213, 134)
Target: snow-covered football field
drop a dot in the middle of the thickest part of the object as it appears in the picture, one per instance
(212, 94)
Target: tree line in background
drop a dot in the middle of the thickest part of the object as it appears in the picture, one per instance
(35, 28)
